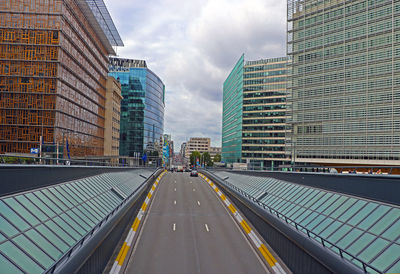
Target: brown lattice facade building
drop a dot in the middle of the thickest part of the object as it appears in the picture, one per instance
(53, 72)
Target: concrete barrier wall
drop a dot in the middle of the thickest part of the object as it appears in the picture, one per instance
(17, 178)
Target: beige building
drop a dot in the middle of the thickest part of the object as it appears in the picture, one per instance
(112, 117)
(214, 151)
(199, 144)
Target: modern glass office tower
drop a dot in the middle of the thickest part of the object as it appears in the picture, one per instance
(254, 113)
(345, 81)
(142, 108)
(264, 112)
(232, 112)
(53, 71)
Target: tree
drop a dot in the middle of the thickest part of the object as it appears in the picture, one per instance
(206, 159)
(217, 158)
(194, 156)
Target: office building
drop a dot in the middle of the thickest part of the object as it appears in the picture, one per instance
(142, 108)
(255, 106)
(345, 81)
(200, 144)
(214, 151)
(112, 117)
(53, 72)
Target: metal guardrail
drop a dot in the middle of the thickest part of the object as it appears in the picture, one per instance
(299, 227)
(95, 161)
(88, 235)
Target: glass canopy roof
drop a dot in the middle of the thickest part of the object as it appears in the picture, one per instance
(37, 227)
(368, 230)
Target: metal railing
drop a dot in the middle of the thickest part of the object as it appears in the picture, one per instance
(115, 161)
(88, 235)
(299, 227)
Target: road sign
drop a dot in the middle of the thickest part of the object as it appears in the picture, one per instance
(34, 150)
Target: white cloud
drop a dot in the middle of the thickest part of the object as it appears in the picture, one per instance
(193, 45)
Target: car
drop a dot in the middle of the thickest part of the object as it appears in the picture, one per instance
(194, 173)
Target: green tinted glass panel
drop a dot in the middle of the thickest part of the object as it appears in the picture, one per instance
(41, 205)
(393, 231)
(72, 194)
(52, 238)
(388, 257)
(338, 234)
(331, 228)
(2, 238)
(68, 228)
(17, 207)
(373, 249)
(48, 202)
(352, 210)
(13, 217)
(78, 211)
(67, 196)
(8, 267)
(20, 258)
(61, 197)
(34, 251)
(43, 243)
(55, 200)
(335, 205)
(78, 189)
(387, 220)
(365, 211)
(78, 220)
(349, 238)
(90, 212)
(7, 228)
(60, 232)
(32, 208)
(395, 268)
(345, 206)
(362, 242)
(373, 217)
(322, 225)
(95, 210)
(321, 201)
(78, 227)
(78, 196)
(315, 221)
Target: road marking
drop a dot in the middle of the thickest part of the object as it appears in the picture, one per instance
(174, 227)
(207, 228)
(194, 189)
(175, 202)
(174, 189)
(198, 202)
(129, 239)
(276, 267)
(190, 181)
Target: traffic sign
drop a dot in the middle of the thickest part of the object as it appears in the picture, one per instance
(34, 150)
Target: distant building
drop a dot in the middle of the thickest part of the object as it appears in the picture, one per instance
(183, 149)
(112, 117)
(254, 126)
(53, 72)
(345, 81)
(199, 144)
(142, 108)
(214, 151)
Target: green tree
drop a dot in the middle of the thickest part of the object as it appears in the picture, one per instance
(206, 159)
(193, 156)
(217, 158)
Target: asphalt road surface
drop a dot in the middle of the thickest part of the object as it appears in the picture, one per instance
(188, 230)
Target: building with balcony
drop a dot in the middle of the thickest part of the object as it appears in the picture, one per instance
(142, 108)
(345, 81)
(255, 106)
(200, 144)
(53, 72)
(112, 117)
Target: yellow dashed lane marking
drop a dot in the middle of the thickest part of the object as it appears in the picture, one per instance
(149, 195)
(144, 206)
(135, 224)
(232, 208)
(153, 187)
(267, 255)
(223, 197)
(122, 254)
(245, 226)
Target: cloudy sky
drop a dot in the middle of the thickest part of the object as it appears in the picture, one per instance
(193, 45)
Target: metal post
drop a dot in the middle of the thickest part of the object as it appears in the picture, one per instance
(40, 148)
(57, 152)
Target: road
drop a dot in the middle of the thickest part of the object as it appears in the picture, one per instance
(188, 230)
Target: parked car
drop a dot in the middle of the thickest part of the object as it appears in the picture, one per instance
(194, 173)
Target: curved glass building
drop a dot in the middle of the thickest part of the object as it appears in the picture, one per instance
(142, 108)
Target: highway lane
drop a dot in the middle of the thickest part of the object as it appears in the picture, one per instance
(188, 230)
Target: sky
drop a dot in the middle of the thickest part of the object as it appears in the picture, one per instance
(192, 45)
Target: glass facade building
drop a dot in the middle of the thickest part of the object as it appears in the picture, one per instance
(345, 81)
(232, 112)
(264, 112)
(53, 69)
(254, 113)
(142, 108)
